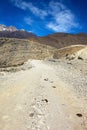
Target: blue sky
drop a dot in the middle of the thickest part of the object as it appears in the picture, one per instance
(44, 17)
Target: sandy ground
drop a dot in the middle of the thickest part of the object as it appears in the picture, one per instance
(44, 95)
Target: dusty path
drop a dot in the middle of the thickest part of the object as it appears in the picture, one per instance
(40, 98)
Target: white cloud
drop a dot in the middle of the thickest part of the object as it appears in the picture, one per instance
(55, 7)
(63, 20)
(57, 28)
(36, 11)
(29, 6)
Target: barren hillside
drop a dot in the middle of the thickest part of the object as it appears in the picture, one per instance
(60, 40)
(16, 51)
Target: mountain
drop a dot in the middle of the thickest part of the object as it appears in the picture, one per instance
(60, 40)
(9, 28)
(17, 34)
(57, 40)
(13, 32)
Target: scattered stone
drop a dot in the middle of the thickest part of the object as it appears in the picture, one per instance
(31, 114)
(80, 58)
(67, 55)
(54, 86)
(53, 60)
(51, 81)
(45, 100)
(46, 79)
(79, 114)
(69, 63)
(70, 57)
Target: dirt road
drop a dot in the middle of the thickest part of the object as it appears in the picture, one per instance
(44, 96)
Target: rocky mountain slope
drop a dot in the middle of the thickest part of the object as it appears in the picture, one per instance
(13, 32)
(9, 28)
(57, 40)
(60, 40)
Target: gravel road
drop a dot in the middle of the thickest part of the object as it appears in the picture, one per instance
(44, 95)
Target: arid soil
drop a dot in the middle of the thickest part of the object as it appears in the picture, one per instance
(44, 95)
